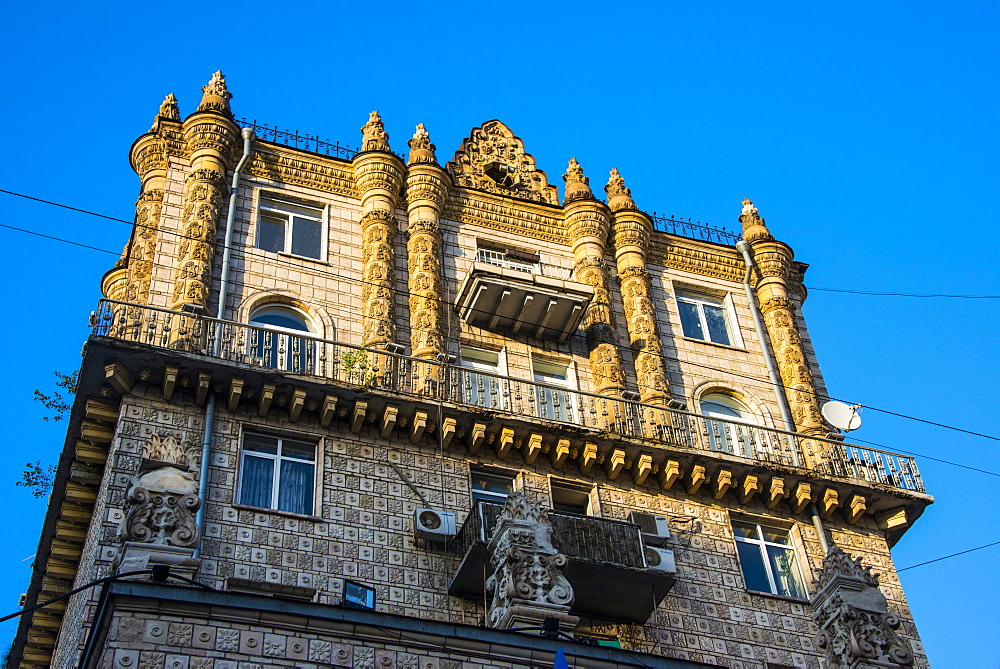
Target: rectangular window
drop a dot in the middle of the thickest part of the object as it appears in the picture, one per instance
(277, 473)
(705, 318)
(767, 559)
(491, 487)
(554, 403)
(480, 384)
(285, 227)
(570, 497)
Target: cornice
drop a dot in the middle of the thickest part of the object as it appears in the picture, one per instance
(507, 215)
(692, 256)
(276, 163)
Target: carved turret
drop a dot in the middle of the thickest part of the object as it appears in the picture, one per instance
(631, 230)
(169, 111)
(378, 176)
(210, 138)
(774, 262)
(587, 225)
(426, 190)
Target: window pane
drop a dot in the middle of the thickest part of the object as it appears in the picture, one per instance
(300, 450)
(260, 443)
(752, 564)
(258, 476)
(775, 536)
(281, 319)
(690, 321)
(716, 319)
(306, 237)
(295, 491)
(745, 530)
(786, 576)
(497, 484)
(271, 232)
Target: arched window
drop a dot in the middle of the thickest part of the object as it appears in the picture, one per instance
(276, 339)
(728, 435)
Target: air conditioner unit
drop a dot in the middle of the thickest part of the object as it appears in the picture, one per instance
(660, 559)
(655, 529)
(432, 525)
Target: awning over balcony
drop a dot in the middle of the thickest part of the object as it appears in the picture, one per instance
(606, 568)
(498, 298)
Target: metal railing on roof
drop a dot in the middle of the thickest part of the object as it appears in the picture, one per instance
(427, 380)
(693, 229)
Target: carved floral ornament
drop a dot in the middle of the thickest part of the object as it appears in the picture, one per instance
(169, 111)
(161, 507)
(421, 147)
(215, 96)
(493, 159)
(754, 228)
(373, 134)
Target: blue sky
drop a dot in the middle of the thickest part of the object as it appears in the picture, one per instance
(866, 134)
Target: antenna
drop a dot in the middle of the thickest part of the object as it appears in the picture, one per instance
(842, 416)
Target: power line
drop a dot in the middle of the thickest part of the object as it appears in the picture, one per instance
(875, 292)
(921, 564)
(927, 457)
(58, 239)
(247, 252)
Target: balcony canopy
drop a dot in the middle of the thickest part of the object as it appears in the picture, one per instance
(503, 299)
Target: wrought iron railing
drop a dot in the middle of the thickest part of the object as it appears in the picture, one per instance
(292, 138)
(476, 390)
(587, 538)
(694, 229)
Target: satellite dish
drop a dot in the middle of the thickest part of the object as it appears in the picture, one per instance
(842, 416)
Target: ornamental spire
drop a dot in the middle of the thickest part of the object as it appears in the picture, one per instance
(168, 111)
(619, 195)
(421, 147)
(215, 96)
(754, 227)
(373, 135)
(577, 185)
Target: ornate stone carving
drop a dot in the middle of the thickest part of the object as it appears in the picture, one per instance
(577, 185)
(196, 251)
(493, 159)
(856, 631)
(421, 147)
(215, 96)
(161, 507)
(378, 234)
(320, 173)
(527, 585)
(143, 250)
(169, 111)
(148, 154)
(619, 195)
(168, 448)
(373, 134)
(523, 220)
(754, 228)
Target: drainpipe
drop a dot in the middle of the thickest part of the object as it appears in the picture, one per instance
(744, 247)
(227, 252)
(772, 373)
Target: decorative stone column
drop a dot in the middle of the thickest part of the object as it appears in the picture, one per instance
(159, 526)
(773, 259)
(426, 189)
(631, 230)
(855, 628)
(587, 225)
(210, 136)
(378, 175)
(527, 585)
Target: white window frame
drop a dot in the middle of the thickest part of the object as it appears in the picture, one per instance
(491, 375)
(276, 459)
(490, 495)
(699, 301)
(286, 339)
(273, 205)
(501, 259)
(547, 410)
(761, 543)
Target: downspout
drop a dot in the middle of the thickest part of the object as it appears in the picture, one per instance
(227, 252)
(786, 416)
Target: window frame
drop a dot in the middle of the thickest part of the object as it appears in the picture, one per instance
(281, 337)
(276, 460)
(490, 495)
(762, 545)
(475, 372)
(699, 301)
(545, 397)
(272, 204)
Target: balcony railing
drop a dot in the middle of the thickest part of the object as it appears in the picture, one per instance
(351, 365)
(501, 259)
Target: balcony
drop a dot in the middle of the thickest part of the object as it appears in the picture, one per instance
(477, 397)
(606, 567)
(522, 296)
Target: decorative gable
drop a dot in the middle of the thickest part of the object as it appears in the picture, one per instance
(493, 159)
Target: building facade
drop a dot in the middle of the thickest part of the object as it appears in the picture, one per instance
(357, 408)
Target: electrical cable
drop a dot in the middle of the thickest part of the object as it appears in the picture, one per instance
(883, 294)
(921, 564)
(248, 252)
